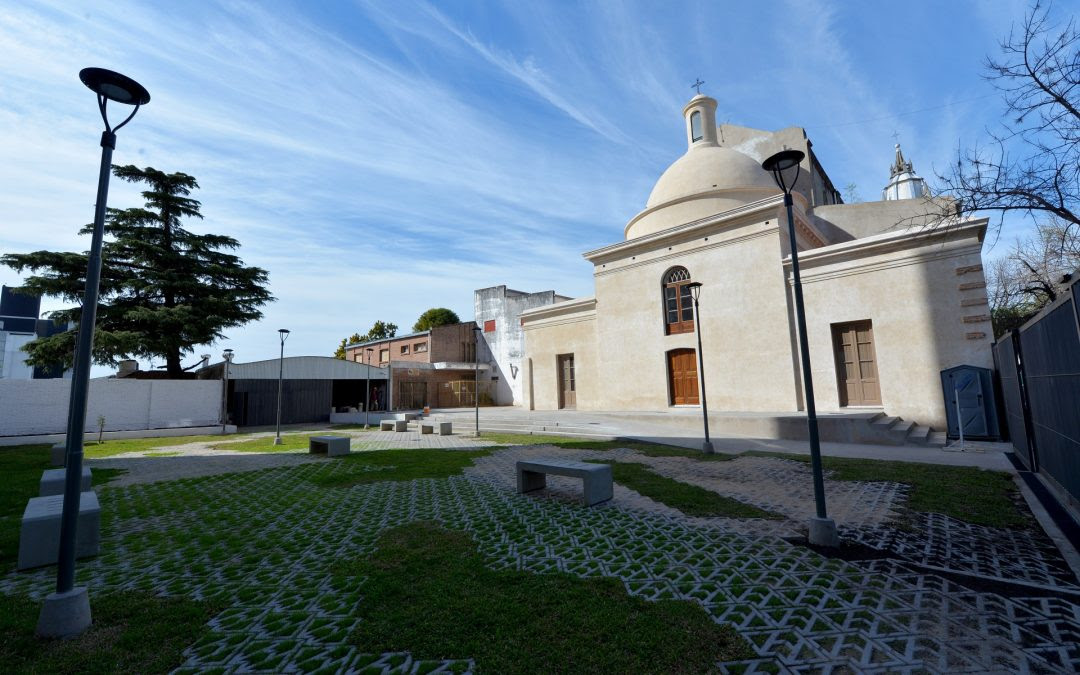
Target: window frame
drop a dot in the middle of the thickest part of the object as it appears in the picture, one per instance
(699, 133)
(675, 288)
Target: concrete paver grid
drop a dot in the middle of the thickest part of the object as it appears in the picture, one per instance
(800, 611)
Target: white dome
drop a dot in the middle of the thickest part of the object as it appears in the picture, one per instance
(709, 168)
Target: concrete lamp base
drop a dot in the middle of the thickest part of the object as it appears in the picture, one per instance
(277, 440)
(64, 615)
(823, 532)
(707, 448)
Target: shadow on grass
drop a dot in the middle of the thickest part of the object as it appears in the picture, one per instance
(970, 494)
(427, 591)
(690, 499)
(132, 633)
(397, 465)
(647, 449)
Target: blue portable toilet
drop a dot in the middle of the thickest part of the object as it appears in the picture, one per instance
(970, 400)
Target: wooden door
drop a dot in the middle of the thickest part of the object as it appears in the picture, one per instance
(567, 383)
(682, 377)
(856, 364)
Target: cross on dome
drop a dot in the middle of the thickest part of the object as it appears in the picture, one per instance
(697, 84)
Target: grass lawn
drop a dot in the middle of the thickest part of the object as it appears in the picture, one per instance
(397, 465)
(131, 633)
(20, 473)
(266, 443)
(110, 448)
(647, 449)
(690, 499)
(428, 591)
(966, 493)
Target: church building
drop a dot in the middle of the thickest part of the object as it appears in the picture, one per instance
(894, 293)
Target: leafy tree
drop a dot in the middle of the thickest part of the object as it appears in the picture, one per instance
(1031, 163)
(164, 289)
(436, 316)
(379, 330)
(339, 353)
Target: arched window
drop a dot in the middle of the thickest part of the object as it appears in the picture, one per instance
(678, 304)
(695, 126)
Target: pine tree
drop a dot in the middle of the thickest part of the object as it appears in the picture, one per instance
(164, 289)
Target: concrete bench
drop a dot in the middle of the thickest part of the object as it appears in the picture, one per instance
(427, 428)
(52, 481)
(531, 475)
(39, 538)
(401, 425)
(333, 446)
(58, 454)
(446, 429)
(386, 425)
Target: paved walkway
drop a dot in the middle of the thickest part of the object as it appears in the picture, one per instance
(801, 612)
(204, 459)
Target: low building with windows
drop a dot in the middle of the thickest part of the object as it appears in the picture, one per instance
(894, 293)
(436, 368)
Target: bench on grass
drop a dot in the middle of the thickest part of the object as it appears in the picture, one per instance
(531, 475)
(332, 446)
(52, 481)
(39, 534)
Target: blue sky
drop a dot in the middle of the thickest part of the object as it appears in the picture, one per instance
(380, 158)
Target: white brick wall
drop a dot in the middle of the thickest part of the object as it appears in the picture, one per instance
(30, 407)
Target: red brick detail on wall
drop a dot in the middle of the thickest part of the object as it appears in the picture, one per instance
(489, 326)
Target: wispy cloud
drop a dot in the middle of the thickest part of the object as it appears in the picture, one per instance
(380, 158)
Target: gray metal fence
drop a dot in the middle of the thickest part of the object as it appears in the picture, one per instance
(1039, 368)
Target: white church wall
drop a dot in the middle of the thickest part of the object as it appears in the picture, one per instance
(745, 328)
(926, 300)
(554, 330)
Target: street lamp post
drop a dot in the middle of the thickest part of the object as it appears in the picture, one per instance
(367, 387)
(695, 290)
(367, 392)
(822, 530)
(228, 356)
(66, 612)
(283, 333)
(476, 375)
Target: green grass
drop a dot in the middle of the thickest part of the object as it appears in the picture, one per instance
(266, 443)
(966, 493)
(131, 633)
(110, 448)
(20, 478)
(647, 449)
(427, 591)
(690, 499)
(397, 465)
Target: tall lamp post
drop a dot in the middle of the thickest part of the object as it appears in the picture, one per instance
(66, 612)
(695, 290)
(228, 356)
(822, 530)
(476, 375)
(367, 393)
(283, 333)
(367, 387)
